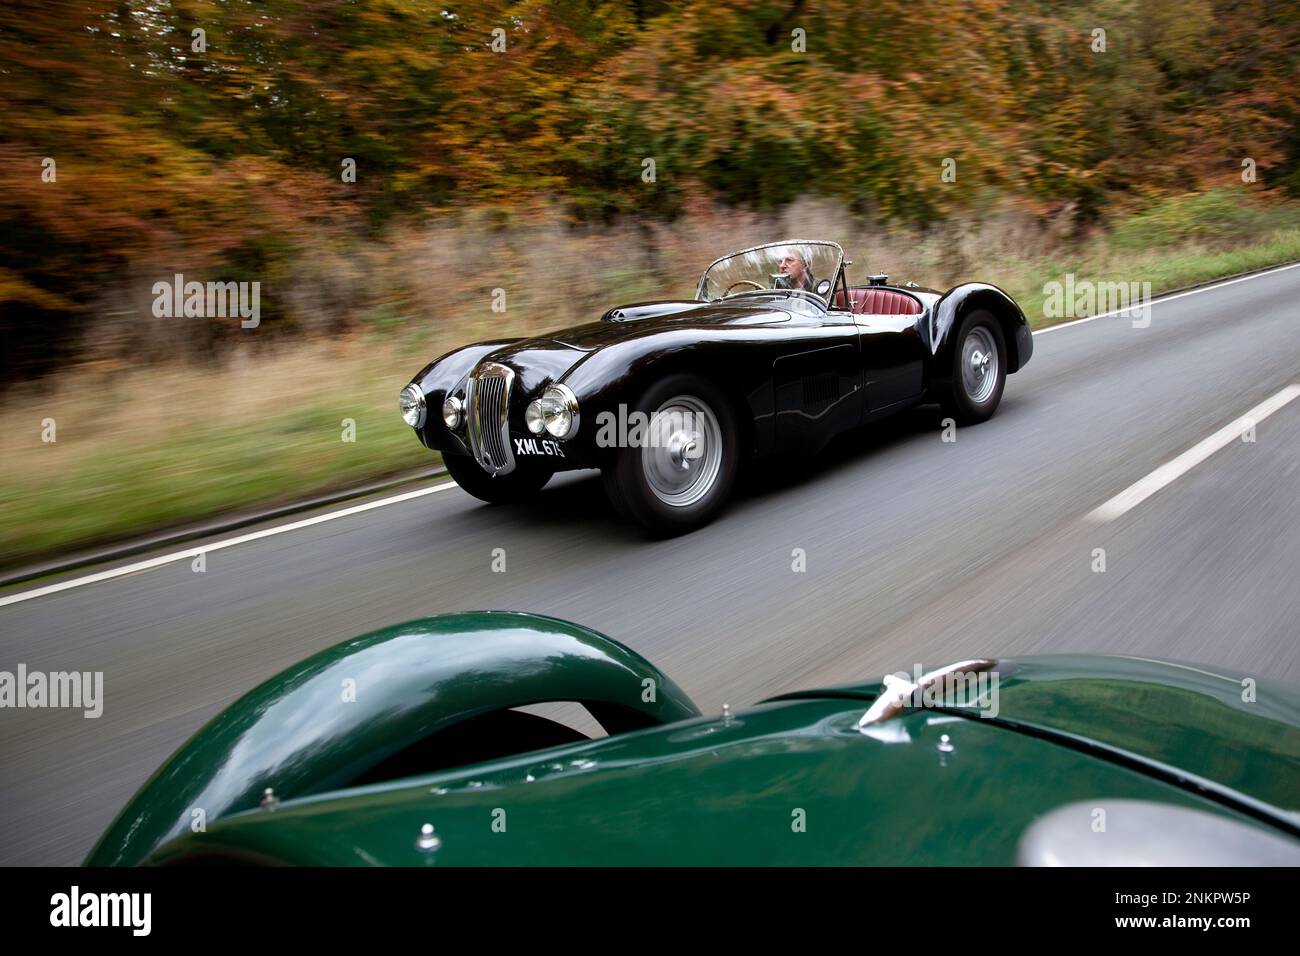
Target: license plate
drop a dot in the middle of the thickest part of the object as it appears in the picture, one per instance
(538, 446)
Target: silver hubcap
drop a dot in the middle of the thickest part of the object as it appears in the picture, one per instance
(683, 451)
(979, 365)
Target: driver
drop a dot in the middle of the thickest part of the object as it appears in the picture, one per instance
(795, 272)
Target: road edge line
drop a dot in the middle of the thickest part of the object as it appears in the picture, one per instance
(194, 532)
(1172, 294)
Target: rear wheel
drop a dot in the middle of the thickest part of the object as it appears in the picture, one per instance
(679, 477)
(979, 371)
(495, 489)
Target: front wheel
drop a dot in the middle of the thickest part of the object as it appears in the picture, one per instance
(495, 489)
(678, 474)
(979, 373)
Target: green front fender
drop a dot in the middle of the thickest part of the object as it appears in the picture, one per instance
(321, 724)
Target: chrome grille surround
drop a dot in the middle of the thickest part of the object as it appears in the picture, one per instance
(487, 400)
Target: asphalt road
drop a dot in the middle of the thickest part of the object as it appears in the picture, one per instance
(917, 551)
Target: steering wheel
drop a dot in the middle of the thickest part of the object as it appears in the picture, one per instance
(760, 288)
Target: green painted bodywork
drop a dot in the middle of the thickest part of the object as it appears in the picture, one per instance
(299, 733)
(791, 781)
(1187, 720)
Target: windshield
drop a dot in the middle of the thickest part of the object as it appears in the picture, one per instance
(803, 266)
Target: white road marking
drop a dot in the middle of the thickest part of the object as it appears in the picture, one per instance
(294, 526)
(1158, 300)
(217, 545)
(1171, 471)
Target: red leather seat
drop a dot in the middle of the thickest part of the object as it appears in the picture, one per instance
(873, 300)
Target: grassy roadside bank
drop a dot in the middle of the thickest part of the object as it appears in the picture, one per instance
(140, 449)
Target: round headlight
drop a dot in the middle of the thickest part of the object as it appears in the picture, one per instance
(557, 410)
(533, 417)
(453, 412)
(411, 402)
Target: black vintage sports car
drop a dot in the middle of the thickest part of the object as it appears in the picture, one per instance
(776, 353)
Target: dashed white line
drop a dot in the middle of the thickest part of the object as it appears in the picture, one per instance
(217, 545)
(1171, 471)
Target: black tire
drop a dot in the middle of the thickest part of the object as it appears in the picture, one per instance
(631, 490)
(498, 489)
(966, 403)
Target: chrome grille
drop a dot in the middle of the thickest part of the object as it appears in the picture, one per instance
(487, 398)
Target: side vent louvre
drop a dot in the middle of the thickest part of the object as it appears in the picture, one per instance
(820, 389)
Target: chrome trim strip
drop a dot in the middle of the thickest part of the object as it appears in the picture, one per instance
(487, 403)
